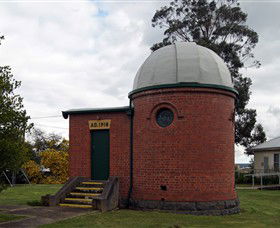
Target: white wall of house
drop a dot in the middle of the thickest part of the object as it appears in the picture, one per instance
(259, 159)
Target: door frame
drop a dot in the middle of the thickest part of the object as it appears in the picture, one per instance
(91, 151)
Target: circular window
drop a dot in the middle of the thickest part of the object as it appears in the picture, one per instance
(164, 117)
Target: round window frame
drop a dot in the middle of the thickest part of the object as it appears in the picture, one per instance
(160, 123)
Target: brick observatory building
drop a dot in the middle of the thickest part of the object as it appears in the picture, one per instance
(173, 146)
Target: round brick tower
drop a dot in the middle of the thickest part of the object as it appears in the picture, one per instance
(183, 132)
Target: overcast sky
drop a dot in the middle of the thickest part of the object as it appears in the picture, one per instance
(86, 53)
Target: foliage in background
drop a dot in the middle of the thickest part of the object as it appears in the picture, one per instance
(33, 171)
(57, 162)
(50, 151)
(221, 26)
(41, 141)
(15, 152)
(241, 178)
(3, 186)
(13, 122)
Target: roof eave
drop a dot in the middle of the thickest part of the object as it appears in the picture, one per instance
(265, 149)
(65, 114)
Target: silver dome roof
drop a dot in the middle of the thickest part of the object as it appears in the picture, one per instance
(183, 64)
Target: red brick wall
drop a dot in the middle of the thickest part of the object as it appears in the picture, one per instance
(80, 146)
(194, 156)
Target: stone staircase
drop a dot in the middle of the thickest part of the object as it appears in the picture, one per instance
(84, 195)
(81, 192)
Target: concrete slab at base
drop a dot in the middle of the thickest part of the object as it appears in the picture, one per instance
(223, 207)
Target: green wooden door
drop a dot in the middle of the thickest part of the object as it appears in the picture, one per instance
(100, 150)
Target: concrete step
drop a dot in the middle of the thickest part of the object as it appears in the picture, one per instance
(75, 205)
(78, 200)
(89, 189)
(84, 194)
(92, 183)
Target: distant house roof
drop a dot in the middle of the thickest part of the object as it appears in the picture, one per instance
(273, 144)
(94, 110)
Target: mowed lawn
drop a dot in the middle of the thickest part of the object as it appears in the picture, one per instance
(5, 217)
(26, 194)
(258, 209)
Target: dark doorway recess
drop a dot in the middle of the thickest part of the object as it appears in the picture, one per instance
(100, 154)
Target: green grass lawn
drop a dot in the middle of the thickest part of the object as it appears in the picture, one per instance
(244, 185)
(5, 217)
(26, 194)
(258, 209)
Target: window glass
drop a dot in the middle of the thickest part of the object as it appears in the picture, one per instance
(164, 117)
(276, 162)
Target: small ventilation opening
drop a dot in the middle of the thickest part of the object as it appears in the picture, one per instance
(162, 199)
(163, 188)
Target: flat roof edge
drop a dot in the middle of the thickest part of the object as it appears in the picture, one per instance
(66, 113)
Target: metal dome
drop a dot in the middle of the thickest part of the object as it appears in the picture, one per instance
(183, 64)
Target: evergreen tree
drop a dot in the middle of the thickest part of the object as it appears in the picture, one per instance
(219, 25)
(13, 122)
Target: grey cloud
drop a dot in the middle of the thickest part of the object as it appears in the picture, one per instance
(263, 16)
(274, 110)
(69, 57)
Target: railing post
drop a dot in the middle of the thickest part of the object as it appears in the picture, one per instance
(24, 174)
(7, 178)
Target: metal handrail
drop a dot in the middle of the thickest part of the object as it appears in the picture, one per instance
(261, 175)
(260, 171)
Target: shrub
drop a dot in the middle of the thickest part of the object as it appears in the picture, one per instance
(33, 171)
(57, 162)
(240, 178)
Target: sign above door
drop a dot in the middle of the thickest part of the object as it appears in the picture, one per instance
(99, 124)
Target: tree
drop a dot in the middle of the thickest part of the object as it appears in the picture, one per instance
(219, 25)
(41, 141)
(33, 171)
(57, 162)
(13, 122)
(49, 151)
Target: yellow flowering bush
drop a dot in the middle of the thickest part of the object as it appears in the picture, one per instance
(57, 162)
(33, 171)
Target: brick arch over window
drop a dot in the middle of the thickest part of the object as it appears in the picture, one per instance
(172, 107)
